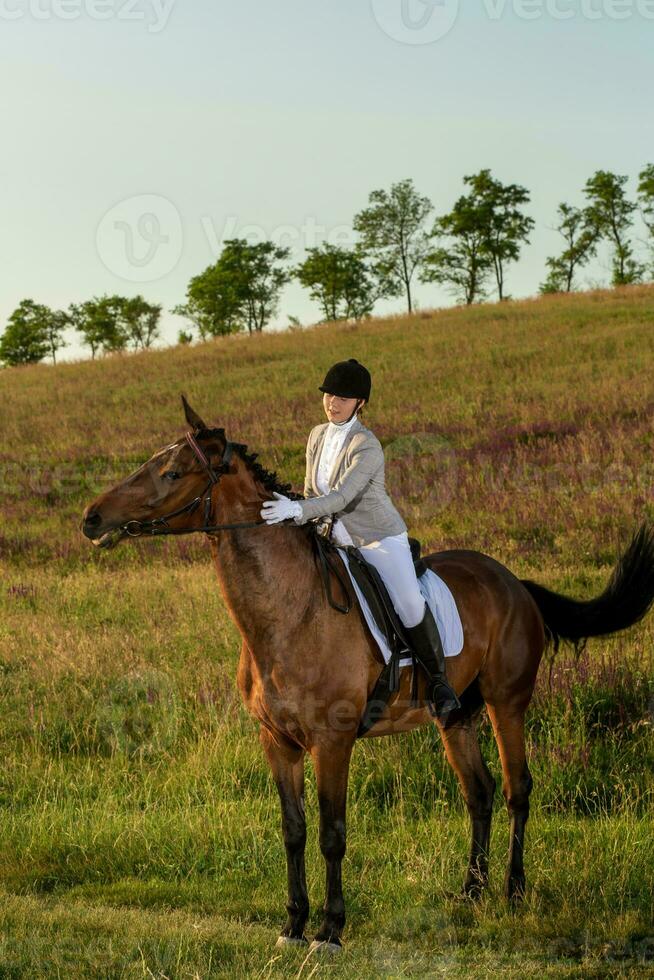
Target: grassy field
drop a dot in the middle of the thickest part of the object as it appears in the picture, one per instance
(140, 826)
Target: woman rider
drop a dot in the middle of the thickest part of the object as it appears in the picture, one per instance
(345, 478)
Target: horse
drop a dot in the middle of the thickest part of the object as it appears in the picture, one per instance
(305, 671)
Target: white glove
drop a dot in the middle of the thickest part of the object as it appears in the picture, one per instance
(274, 511)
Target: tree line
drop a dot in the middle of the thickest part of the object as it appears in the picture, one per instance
(105, 323)
(469, 250)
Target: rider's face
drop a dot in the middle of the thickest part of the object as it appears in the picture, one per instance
(338, 409)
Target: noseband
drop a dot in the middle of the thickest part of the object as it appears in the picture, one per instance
(160, 524)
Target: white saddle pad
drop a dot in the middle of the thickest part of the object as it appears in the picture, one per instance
(441, 602)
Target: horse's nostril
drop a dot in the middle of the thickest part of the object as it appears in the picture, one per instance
(92, 519)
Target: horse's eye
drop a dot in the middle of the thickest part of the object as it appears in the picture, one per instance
(171, 475)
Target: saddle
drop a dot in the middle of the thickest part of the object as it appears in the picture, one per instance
(386, 619)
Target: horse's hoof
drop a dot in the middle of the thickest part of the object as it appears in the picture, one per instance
(473, 893)
(292, 941)
(464, 897)
(318, 946)
(515, 901)
(515, 892)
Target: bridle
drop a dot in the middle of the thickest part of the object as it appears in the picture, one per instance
(159, 525)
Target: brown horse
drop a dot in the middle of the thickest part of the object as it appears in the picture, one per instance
(306, 671)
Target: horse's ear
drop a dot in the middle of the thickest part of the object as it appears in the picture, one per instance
(192, 417)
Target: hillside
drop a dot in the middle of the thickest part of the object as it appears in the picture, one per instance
(535, 423)
(140, 821)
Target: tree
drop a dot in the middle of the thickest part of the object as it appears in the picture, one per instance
(505, 228)
(99, 322)
(240, 291)
(212, 304)
(56, 322)
(339, 280)
(184, 337)
(25, 339)
(207, 321)
(393, 236)
(139, 320)
(464, 263)
(646, 196)
(259, 278)
(646, 201)
(578, 229)
(612, 216)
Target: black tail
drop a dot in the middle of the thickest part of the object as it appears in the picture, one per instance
(624, 601)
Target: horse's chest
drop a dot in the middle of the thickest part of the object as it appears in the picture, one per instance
(280, 703)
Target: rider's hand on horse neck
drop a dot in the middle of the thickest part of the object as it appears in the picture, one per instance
(275, 511)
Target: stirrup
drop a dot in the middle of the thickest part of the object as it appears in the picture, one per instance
(444, 707)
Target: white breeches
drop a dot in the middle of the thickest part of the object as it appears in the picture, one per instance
(391, 556)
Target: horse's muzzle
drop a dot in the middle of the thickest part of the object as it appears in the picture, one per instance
(92, 528)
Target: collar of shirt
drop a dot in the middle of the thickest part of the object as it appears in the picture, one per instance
(335, 433)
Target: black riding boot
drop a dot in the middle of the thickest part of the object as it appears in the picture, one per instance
(426, 643)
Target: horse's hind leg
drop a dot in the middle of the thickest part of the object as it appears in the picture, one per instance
(508, 723)
(287, 764)
(478, 786)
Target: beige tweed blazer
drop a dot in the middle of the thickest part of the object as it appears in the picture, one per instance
(358, 495)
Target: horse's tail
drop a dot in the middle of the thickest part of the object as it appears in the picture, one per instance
(625, 600)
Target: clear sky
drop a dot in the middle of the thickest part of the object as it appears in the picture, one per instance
(136, 134)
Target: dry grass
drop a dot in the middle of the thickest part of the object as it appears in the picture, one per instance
(133, 787)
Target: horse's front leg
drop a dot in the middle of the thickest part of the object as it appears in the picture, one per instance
(287, 764)
(331, 760)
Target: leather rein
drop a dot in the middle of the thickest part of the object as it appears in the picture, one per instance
(159, 525)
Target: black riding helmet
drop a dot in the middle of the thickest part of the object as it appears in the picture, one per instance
(347, 379)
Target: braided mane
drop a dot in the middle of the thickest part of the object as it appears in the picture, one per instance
(270, 480)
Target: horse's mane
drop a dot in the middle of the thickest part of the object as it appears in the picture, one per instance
(269, 479)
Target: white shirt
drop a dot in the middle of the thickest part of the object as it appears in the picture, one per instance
(331, 447)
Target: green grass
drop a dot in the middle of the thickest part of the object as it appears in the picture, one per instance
(225, 922)
(139, 823)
